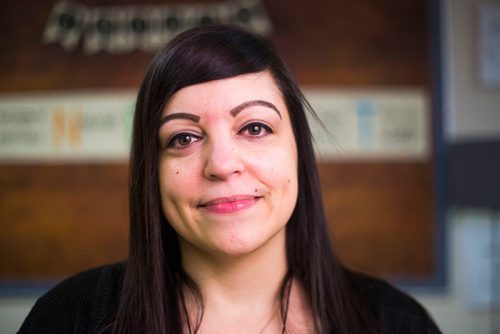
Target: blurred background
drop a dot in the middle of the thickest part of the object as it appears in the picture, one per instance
(410, 166)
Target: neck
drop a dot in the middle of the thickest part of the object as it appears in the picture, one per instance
(237, 288)
(247, 276)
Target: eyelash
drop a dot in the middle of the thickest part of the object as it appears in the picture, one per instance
(254, 124)
(174, 141)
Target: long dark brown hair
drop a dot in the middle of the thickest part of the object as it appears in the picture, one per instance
(154, 278)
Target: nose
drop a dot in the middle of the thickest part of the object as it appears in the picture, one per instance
(223, 159)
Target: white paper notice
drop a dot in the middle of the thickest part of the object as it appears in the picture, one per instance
(370, 124)
(489, 44)
(67, 126)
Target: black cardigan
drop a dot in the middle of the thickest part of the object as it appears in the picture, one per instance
(81, 304)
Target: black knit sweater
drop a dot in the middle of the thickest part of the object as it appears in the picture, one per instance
(84, 302)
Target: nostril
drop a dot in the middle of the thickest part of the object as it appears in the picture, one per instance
(223, 160)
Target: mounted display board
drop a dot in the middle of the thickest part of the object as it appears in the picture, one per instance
(66, 120)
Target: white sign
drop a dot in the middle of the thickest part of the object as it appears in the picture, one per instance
(370, 124)
(489, 44)
(78, 126)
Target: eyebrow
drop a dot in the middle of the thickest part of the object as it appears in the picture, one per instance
(180, 115)
(236, 110)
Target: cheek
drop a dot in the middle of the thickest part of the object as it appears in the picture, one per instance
(177, 186)
(279, 168)
(290, 177)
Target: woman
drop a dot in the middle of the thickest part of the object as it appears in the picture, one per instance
(227, 228)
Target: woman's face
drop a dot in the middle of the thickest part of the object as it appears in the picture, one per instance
(228, 164)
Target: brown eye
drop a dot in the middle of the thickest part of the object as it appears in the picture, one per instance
(182, 140)
(256, 129)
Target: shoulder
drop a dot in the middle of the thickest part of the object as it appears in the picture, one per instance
(78, 304)
(395, 310)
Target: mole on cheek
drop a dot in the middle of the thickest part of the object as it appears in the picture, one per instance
(177, 172)
(288, 180)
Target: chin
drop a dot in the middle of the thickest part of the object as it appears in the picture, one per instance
(235, 247)
(240, 246)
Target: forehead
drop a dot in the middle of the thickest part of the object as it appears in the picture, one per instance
(226, 93)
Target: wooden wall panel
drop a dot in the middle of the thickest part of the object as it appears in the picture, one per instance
(57, 219)
(325, 42)
(353, 43)
(380, 216)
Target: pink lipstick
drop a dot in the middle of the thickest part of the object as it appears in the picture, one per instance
(230, 204)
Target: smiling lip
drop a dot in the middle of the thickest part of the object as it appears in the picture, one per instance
(230, 204)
